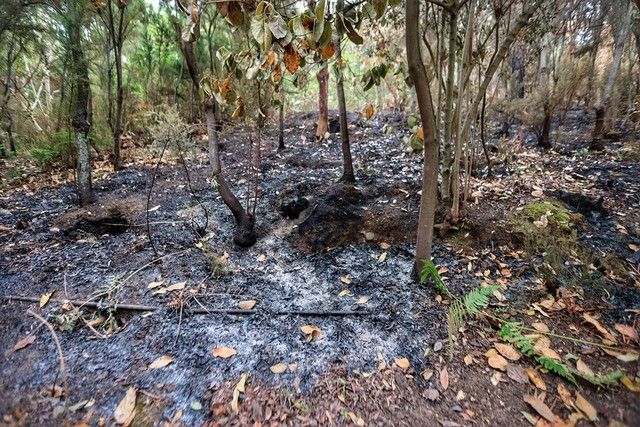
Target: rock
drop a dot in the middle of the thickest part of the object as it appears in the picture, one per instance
(369, 235)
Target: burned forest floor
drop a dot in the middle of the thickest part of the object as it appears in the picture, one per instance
(161, 320)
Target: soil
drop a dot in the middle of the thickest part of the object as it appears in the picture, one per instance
(346, 251)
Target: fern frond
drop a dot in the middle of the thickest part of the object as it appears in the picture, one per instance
(557, 368)
(430, 272)
(478, 298)
(600, 380)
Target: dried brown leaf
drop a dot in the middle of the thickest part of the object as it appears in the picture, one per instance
(586, 407)
(508, 351)
(444, 378)
(161, 362)
(402, 363)
(498, 362)
(278, 368)
(541, 408)
(223, 352)
(247, 304)
(536, 379)
(27, 341)
(125, 411)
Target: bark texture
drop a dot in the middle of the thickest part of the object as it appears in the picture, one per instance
(420, 80)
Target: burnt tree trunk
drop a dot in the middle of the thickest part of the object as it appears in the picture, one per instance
(244, 234)
(323, 103)
(81, 119)
(281, 145)
(544, 140)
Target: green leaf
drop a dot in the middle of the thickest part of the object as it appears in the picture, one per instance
(380, 6)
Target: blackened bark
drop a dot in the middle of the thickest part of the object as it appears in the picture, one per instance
(81, 120)
(544, 140)
(281, 145)
(244, 234)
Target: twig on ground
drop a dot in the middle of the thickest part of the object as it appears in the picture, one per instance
(204, 310)
(63, 369)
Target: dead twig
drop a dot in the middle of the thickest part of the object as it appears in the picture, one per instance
(63, 369)
(204, 310)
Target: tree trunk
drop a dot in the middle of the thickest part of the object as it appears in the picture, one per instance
(420, 79)
(603, 113)
(81, 121)
(447, 161)
(281, 145)
(465, 69)
(244, 235)
(323, 102)
(544, 141)
(347, 162)
(518, 70)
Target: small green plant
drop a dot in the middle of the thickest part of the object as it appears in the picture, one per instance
(461, 308)
(511, 332)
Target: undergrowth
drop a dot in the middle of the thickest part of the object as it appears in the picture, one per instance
(473, 303)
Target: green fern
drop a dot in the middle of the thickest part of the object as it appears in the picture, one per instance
(511, 332)
(556, 367)
(469, 305)
(430, 272)
(601, 380)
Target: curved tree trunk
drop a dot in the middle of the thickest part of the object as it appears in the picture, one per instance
(323, 102)
(420, 79)
(244, 234)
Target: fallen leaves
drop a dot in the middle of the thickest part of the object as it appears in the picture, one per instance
(239, 388)
(44, 299)
(536, 379)
(601, 329)
(346, 279)
(497, 362)
(507, 351)
(402, 363)
(583, 368)
(125, 411)
(247, 304)
(627, 331)
(161, 362)
(311, 332)
(539, 326)
(175, 287)
(444, 378)
(362, 300)
(24, 342)
(223, 352)
(517, 373)
(586, 408)
(630, 384)
(541, 408)
(279, 368)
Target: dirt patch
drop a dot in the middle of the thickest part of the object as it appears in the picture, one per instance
(112, 215)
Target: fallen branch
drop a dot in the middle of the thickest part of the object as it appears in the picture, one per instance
(204, 310)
